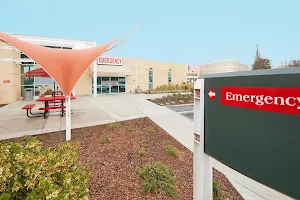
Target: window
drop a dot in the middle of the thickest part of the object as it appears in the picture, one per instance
(121, 88)
(25, 68)
(169, 77)
(121, 80)
(150, 75)
(54, 47)
(99, 81)
(191, 78)
(105, 80)
(58, 47)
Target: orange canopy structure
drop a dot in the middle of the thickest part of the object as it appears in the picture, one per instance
(65, 66)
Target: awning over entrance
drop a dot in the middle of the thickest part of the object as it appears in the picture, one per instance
(108, 70)
(40, 72)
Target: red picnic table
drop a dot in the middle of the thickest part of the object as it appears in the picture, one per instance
(51, 103)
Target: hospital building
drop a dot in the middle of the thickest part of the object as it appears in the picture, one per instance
(113, 74)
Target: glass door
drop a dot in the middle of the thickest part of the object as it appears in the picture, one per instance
(99, 80)
(122, 82)
(105, 86)
(26, 82)
(114, 84)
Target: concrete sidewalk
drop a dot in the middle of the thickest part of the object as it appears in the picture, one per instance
(87, 111)
(182, 129)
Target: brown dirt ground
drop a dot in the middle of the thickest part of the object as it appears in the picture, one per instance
(113, 164)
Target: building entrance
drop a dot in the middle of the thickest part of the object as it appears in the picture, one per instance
(106, 85)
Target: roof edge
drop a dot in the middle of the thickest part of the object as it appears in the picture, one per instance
(47, 37)
(253, 73)
(230, 60)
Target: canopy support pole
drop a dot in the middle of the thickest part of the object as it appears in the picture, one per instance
(68, 118)
(95, 79)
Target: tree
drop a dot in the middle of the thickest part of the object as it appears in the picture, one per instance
(260, 63)
(257, 54)
(292, 63)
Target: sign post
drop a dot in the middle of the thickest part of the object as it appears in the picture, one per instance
(203, 178)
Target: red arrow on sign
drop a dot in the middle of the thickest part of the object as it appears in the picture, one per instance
(211, 94)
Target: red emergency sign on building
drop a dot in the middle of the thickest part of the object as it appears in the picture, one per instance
(103, 60)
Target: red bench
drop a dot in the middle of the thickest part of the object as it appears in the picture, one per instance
(28, 110)
(28, 107)
(46, 110)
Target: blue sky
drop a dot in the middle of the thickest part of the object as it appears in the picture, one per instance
(190, 31)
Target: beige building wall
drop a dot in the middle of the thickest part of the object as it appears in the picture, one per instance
(9, 74)
(222, 67)
(140, 70)
(277, 67)
(84, 84)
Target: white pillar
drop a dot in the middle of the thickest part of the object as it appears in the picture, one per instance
(208, 178)
(203, 177)
(136, 79)
(95, 79)
(68, 118)
(34, 82)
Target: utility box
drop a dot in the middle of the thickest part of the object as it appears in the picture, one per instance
(28, 94)
(138, 90)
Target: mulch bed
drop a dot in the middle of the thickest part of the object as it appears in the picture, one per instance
(113, 164)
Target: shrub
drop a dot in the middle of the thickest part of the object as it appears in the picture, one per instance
(105, 139)
(216, 191)
(171, 87)
(113, 126)
(140, 140)
(177, 87)
(192, 90)
(157, 176)
(130, 128)
(150, 130)
(29, 172)
(172, 151)
(142, 151)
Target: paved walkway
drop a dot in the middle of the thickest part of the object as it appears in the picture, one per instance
(88, 111)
